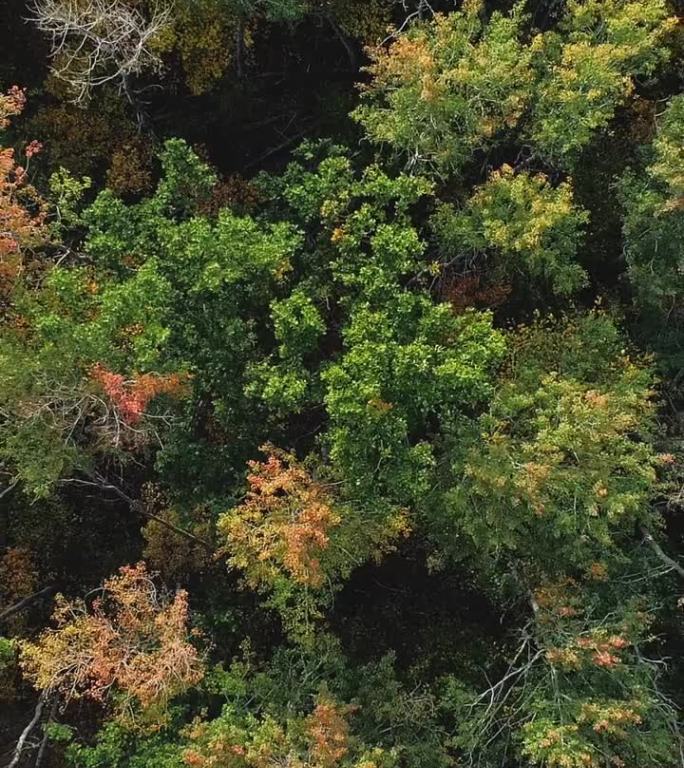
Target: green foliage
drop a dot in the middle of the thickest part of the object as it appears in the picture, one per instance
(363, 245)
(37, 454)
(298, 326)
(186, 180)
(150, 257)
(454, 86)
(59, 733)
(67, 194)
(7, 654)
(668, 145)
(449, 88)
(399, 373)
(588, 68)
(559, 469)
(532, 230)
(318, 740)
(8, 670)
(405, 363)
(45, 385)
(654, 221)
(119, 747)
(289, 709)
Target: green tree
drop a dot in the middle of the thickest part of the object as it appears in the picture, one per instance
(560, 469)
(654, 222)
(448, 88)
(587, 69)
(531, 229)
(454, 86)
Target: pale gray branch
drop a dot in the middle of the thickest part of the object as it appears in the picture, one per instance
(18, 750)
(94, 42)
(665, 558)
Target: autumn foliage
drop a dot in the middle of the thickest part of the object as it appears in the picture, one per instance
(283, 525)
(328, 731)
(131, 641)
(131, 396)
(322, 739)
(22, 212)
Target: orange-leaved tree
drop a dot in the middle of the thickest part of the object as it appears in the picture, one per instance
(22, 211)
(296, 536)
(284, 523)
(321, 739)
(132, 644)
(131, 397)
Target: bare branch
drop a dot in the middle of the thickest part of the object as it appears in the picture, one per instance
(139, 507)
(26, 602)
(653, 544)
(46, 732)
(94, 42)
(18, 750)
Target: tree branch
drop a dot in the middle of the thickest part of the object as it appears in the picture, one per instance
(26, 602)
(9, 488)
(44, 741)
(653, 544)
(27, 732)
(348, 47)
(138, 507)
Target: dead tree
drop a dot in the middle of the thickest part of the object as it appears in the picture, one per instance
(94, 42)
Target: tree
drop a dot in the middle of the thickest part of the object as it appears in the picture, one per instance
(405, 363)
(532, 230)
(589, 67)
(131, 644)
(100, 41)
(448, 88)
(284, 524)
(549, 489)
(22, 210)
(454, 86)
(403, 373)
(295, 538)
(578, 691)
(60, 413)
(654, 221)
(560, 470)
(105, 329)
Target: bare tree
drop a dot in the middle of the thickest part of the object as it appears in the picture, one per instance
(100, 41)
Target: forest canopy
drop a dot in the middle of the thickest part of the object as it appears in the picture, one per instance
(341, 384)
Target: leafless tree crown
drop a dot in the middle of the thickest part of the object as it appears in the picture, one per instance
(99, 41)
